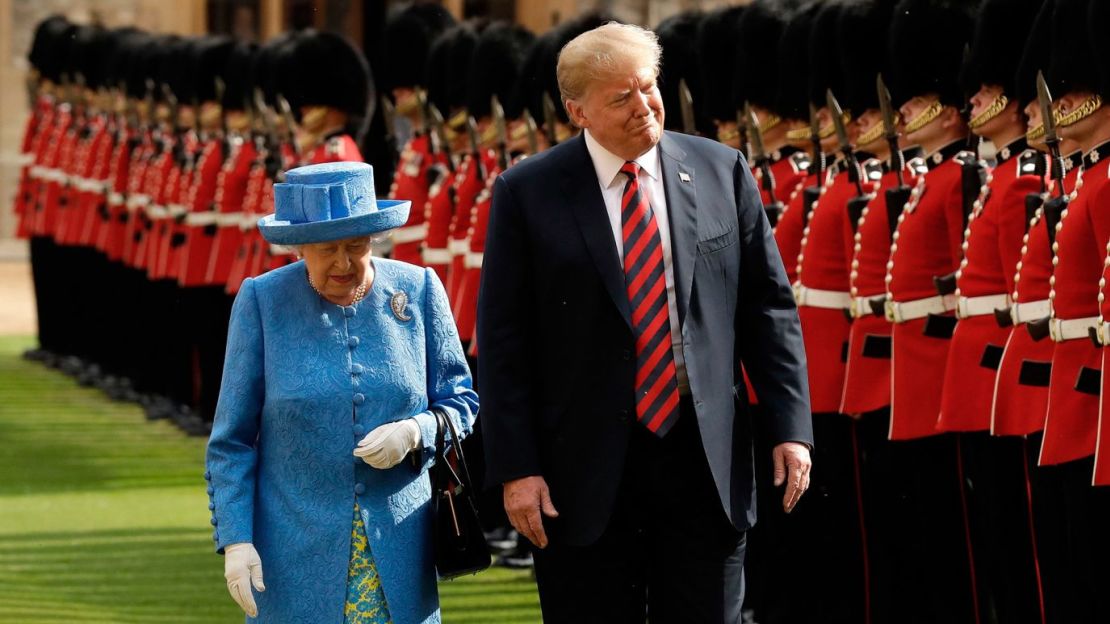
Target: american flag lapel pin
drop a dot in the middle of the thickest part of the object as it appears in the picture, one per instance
(682, 175)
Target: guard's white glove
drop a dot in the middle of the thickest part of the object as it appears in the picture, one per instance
(243, 568)
(387, 445)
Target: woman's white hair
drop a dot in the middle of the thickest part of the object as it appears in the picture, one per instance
(599, 53)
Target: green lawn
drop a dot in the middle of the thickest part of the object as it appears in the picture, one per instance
(104, 517)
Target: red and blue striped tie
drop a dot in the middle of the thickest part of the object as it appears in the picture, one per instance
(656, 379)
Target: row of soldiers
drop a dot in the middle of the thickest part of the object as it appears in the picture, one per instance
(149, 159)
(951, 305)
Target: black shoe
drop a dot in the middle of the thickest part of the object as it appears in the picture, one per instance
(502, 540)
(71, 365)
(35, 355)
(156, 407)
(518, 561)
(90, 376)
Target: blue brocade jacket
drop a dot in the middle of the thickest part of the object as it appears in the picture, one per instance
(304, 381)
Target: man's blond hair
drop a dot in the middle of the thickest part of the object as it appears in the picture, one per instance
(598, 53)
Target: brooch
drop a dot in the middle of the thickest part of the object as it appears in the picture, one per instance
(398, 302)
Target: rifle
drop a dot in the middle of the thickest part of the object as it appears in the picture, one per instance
(845, 144)
(549, 119)
(475, 149)
(896, 197)
(686, 104)
(775, 208)
(498, 113)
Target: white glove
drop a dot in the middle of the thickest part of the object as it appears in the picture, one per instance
(387, 445)
(243, 568)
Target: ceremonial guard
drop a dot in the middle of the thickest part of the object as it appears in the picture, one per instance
(927, 39)
(1080, 234)
(994, 468)
(718, 97)
(410, 32)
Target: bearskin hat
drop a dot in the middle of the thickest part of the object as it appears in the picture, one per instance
(718, 35)
(1072, 64)
(236, 76)
(927, 41)
(209, 58)
(992, 60)
(409, 33)
(1099, 20)
(793, 52)
(859, 64)
(53, 56)
(325, 69)
(495, 68)
(268, 71)
(47, 33)
(758, 65)
(678, 38)
(825, 72)
(1034, 58)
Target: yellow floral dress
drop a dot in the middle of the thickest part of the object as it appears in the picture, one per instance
(365, 598)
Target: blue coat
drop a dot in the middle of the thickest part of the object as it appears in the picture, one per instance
(304, 381)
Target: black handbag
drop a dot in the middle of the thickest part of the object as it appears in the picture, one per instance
(459, 545)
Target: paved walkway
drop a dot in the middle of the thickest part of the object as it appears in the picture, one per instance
(17, 299)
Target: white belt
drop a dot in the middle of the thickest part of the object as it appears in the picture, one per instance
(967, 307)
(861, 306)
(437, 256)
(36, 171)
(828, 299)
(176, 210)
(87, 185)
(48, 174)
(157, 212)
(248, 220)
(115, 199)
(25, 159)
(202, 218)
(280, 250)
(136, 201)
(410, 234)
(229, 219)
(1028, 312)
(902, 311)
(474, 259)
(1103, 333)
(458, 246)
(1063, 330)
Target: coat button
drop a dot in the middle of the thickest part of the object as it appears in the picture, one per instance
(359, 398)
(356, 369)
(359, 430)
(623, 415)
(207, 476)
(211, 506)
(211, 490)
(348, 311)
(213, 521)
(360, 489)
(626, 354)
(352, 342)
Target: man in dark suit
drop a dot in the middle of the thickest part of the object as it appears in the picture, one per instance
(628, 274)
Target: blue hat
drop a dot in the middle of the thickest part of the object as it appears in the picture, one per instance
(329, 202)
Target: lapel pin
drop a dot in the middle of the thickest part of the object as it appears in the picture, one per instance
(398, 303)
(682, 175)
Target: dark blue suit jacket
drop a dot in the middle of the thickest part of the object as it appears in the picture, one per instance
(557, 357)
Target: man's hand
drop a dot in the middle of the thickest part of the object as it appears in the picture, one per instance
(792, 465)
(243, 568)
(524, 499)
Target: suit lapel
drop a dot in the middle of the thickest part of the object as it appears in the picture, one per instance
(682, 204)
(584, 195)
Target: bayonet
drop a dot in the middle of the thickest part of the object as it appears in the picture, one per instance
(759, 156)
(549, 119)
(533, 132)
(439, 134)
(475, 148)
(422, 106)
(1051, 138)
(500, 125)
(686, 103)
(890, 129)
(815, 139)
(842, 135)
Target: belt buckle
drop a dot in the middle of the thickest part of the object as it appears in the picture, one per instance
(1102, 329)
(798, 293)
(891, 308)
(1054, 330)
(961, 308)
(1014, 316)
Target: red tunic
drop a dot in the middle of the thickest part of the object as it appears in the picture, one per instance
(154, 180)
(992, 248)
(438, 212)
(410, 181)
(231, 190)
(201, 221)
(867, 372)
(1021, 387)
(788, 231)
(1071, 422)
(76, 151)
(55, 157)
(823, 264)
(95, 204)
(41, 118)
(111, 237)
(141, 159)
(469, 182)
(251, 242)
(926, 245)
(789, 167)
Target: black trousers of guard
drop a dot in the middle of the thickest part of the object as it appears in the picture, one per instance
(44, 271)
(669, 550)
(996, 489)
(208, 312)
(811, 563)
(917, 528)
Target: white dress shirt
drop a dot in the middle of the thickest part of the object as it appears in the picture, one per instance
(612, 181)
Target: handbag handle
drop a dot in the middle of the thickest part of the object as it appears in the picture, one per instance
(443, 467)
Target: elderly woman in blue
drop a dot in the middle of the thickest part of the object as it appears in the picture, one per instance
(323, 434)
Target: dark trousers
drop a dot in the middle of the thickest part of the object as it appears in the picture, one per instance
(669, 550)
(917, 529)
(996, 488)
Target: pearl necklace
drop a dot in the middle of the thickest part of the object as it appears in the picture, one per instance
(360, 292)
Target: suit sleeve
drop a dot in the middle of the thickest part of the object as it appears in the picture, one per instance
(449, 383)
(768, 332)
(504, 330)
(232, 452)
